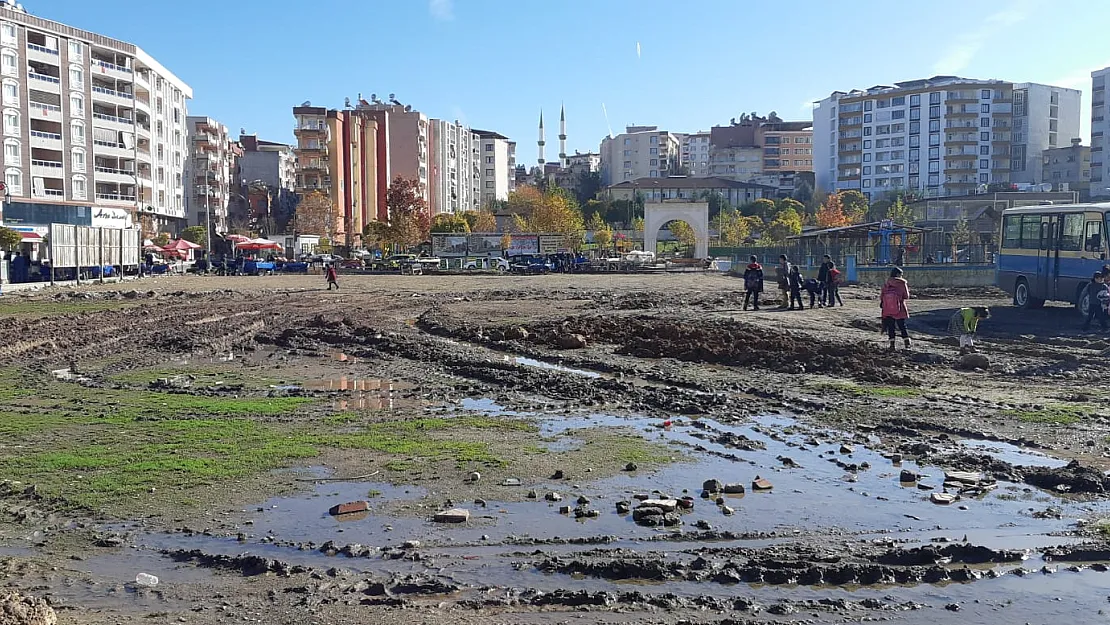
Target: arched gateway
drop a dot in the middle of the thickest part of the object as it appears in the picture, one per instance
(657, 214)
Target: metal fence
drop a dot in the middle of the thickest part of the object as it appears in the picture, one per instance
(74, 249)
(927, 249)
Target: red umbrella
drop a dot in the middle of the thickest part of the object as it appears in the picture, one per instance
(237, 238)
(181, 245)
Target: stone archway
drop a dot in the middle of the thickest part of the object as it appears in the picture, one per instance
(656, 215)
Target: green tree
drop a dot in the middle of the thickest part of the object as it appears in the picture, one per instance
(803, 192)
(480, 221)
(589, 184)
(682, 232)
(161, 239)
(10, 239)
(786, 224)
(790, 203)
(603, 237)
(733, 228)
(899, 213)
(961, 235)
(638, 224)
(449, 222)
(195, 234)
(763, 208)
(855, 205)
(595, 222)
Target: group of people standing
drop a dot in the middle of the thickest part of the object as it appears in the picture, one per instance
(824, 290)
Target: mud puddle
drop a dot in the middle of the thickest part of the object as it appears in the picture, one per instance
(1013, 454)
(539, 364)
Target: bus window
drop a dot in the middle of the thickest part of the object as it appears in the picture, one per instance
(1030, 232)
(1071, 236)
(1011, 231)
(1092, 237)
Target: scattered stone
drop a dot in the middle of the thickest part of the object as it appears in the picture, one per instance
(517, 333)
(558, 475)
(727, 511)
(703, 525)
(454, 515)
(925, 486)
(639, 515)
(955, 607)
(481, 503)
(410, 544)
(846, 449)
(942, 498)
(631, 466)
(532, 494)
(511, 481)
(641, 496)
(571, 341)
(970, 362)
(896, 458)
(564, 509)
(711, 486)
(686, 503)
(583, 500)
(787, 462)
(666, 505)
(963, 477)
(907, 476)
(475, 476)
(624, 507)
(760, 483)
(352, 507)
(733, 489)
(553, 497)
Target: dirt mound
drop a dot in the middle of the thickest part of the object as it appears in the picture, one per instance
(16, 609)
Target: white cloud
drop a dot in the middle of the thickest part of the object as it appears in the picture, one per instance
(442, 10)
(1079, 79)
(962, 51)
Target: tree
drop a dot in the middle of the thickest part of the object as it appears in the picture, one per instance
(518, 224)
(803, 192)
(788, 223)
(10, 239)
(733, 228)
(638, 224)
(408, 212)
(603, 236)
(790, 203)
(899, 213)
(682, 232)
(763, 208)
(315, 215)
(961, 235)
(449, 222)
(506, 241)
(831, 214)
(855, 205)
(554, 211)
(195, 234)
(596, 222)
(161, 239)
(589, 183)
(377, 234)
(480, 221)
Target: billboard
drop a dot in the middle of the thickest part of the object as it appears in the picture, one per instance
(550, 243)
(524, 244)
(449, 244)
(484, 245)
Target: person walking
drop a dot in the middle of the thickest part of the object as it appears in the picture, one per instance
(332, 276)
(782, 277)
(832, 287)
(965, 323)
(795, 278)
(823, 277)
(893, 304)
(753, 282)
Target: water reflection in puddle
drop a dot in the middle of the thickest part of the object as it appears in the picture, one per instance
(1013, 454)
(539, 364)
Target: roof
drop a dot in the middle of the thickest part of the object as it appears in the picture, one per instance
(686, 182)
(488, 134)
(1036, 209)
(856, 231)
(992, 196)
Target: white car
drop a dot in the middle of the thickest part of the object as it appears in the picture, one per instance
(500, 264)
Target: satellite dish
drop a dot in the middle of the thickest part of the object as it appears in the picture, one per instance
(346, 102)
(373, 97)
(392, 96)
(242, 131)
(306, 103)
(408, 108)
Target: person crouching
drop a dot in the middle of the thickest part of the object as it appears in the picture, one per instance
(965, 323)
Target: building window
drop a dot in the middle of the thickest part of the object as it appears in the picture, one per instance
(161, 176)
(866, 170)
(11, 93)
(898, 114)
(77, 104)
(984, 108)
(934, 112)
(653, 174)
(11, 122)
(76, 50)
(653, 162)
(13, 178)
(77, 159)
(934, 166)
(866, 184)
(627, 141)
(867, 118)
(489, 160)
(628, 164)
(7, 33)
(628, 153)
(79, 189)
(984, 163)
(176, 113)
(934, 139)
(489, 147)
(915, 99)
(934, 97)
(489, 184)
(77, 131)
(867, 144)
(653, 150)
(934, 154)
(653, 140)
(984, 122)
(12, 155)
(10, 63)
(984, 136)
(76, 77)
(867, 131)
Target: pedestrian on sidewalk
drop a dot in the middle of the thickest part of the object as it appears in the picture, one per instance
(332, 276)
(1096, 298)
(795, 279)
(965, 323)
(893, 304)
(753, 282)
(782, 277)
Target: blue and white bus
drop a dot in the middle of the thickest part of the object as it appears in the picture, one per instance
(1048, 253)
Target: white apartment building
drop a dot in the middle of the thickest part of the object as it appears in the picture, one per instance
(94, 128)
(208, 174)
(1100, 131)
(497, 160)
(456, 176)
(640, 152)
(695, 153)
(944, 135)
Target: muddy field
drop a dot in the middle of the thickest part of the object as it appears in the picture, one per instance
(491, 449)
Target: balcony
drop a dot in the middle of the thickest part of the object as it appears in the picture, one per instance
(108, 148)
(47, 169)
(956, 170)
(115, 198)
(316, 167)
(113, 175)
(49, 193)
(110, 69)
(111, 121)
(46, 140)
(963, 113)
(142, 103)
(963, 99)
(311, 130)
(204, 141)
(970, 155)
(111, 96)
(42, 81)
(43, 54)
(50, 112)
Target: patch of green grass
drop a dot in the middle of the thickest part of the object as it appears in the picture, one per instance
(869, 391)
(202, 376)
(1061, 414)
(373, 493)
(630, 448)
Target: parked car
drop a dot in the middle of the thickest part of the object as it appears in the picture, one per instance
(326, 258)
(500, 264)
(526, 263)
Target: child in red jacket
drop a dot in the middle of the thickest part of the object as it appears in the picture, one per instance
(893, 302)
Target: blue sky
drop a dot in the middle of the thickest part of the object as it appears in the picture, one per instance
(495, 63)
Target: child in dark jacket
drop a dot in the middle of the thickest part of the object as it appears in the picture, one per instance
(1097, 295)
(813, 287)
(753, 283)
(795, 281)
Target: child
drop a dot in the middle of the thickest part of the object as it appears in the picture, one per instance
(753, 282)
(782, 277)
(813, 287)
(964, 323)
(1097, 294)
(893, 304)
(832, 287)
(333, 278)
(795, 278)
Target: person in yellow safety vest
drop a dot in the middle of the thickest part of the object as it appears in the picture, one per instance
(964, 324)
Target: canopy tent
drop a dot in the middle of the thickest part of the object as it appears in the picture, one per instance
(31, 237)
(150, 247)
(237, 239)
(259, 244)
(181, 245)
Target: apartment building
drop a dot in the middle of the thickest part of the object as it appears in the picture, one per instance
(943, 136)
(497, 161)
(402, 147)
(695, 153)
(577, 165)
(787, 146)
(274, 164)
(210, 169)
(763, 151)
(1100, 132)
(1069, 169)
(639, 152)
(94, 128)
(456, 173)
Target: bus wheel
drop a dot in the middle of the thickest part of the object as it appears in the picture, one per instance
(1083, 304)
(1023, 298)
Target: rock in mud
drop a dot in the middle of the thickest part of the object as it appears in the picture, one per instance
(410, 544)
(847, 449)
(712, 486)
(511, 481)
(970, 362)
(761, 483)
(571, 341)
(583, 500)
(558, 475)
(942, 498)
(631, 466)
(553, 497)
(624, 507)
(907, 476)
(16, 609)
(475, 476)
(351, 507)
(517, 333)
(733, 489)
(640, 515)
(454, 515)
(963, 477)
(564, 509)
(727, 511)
(666, 505)
(703, 525)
